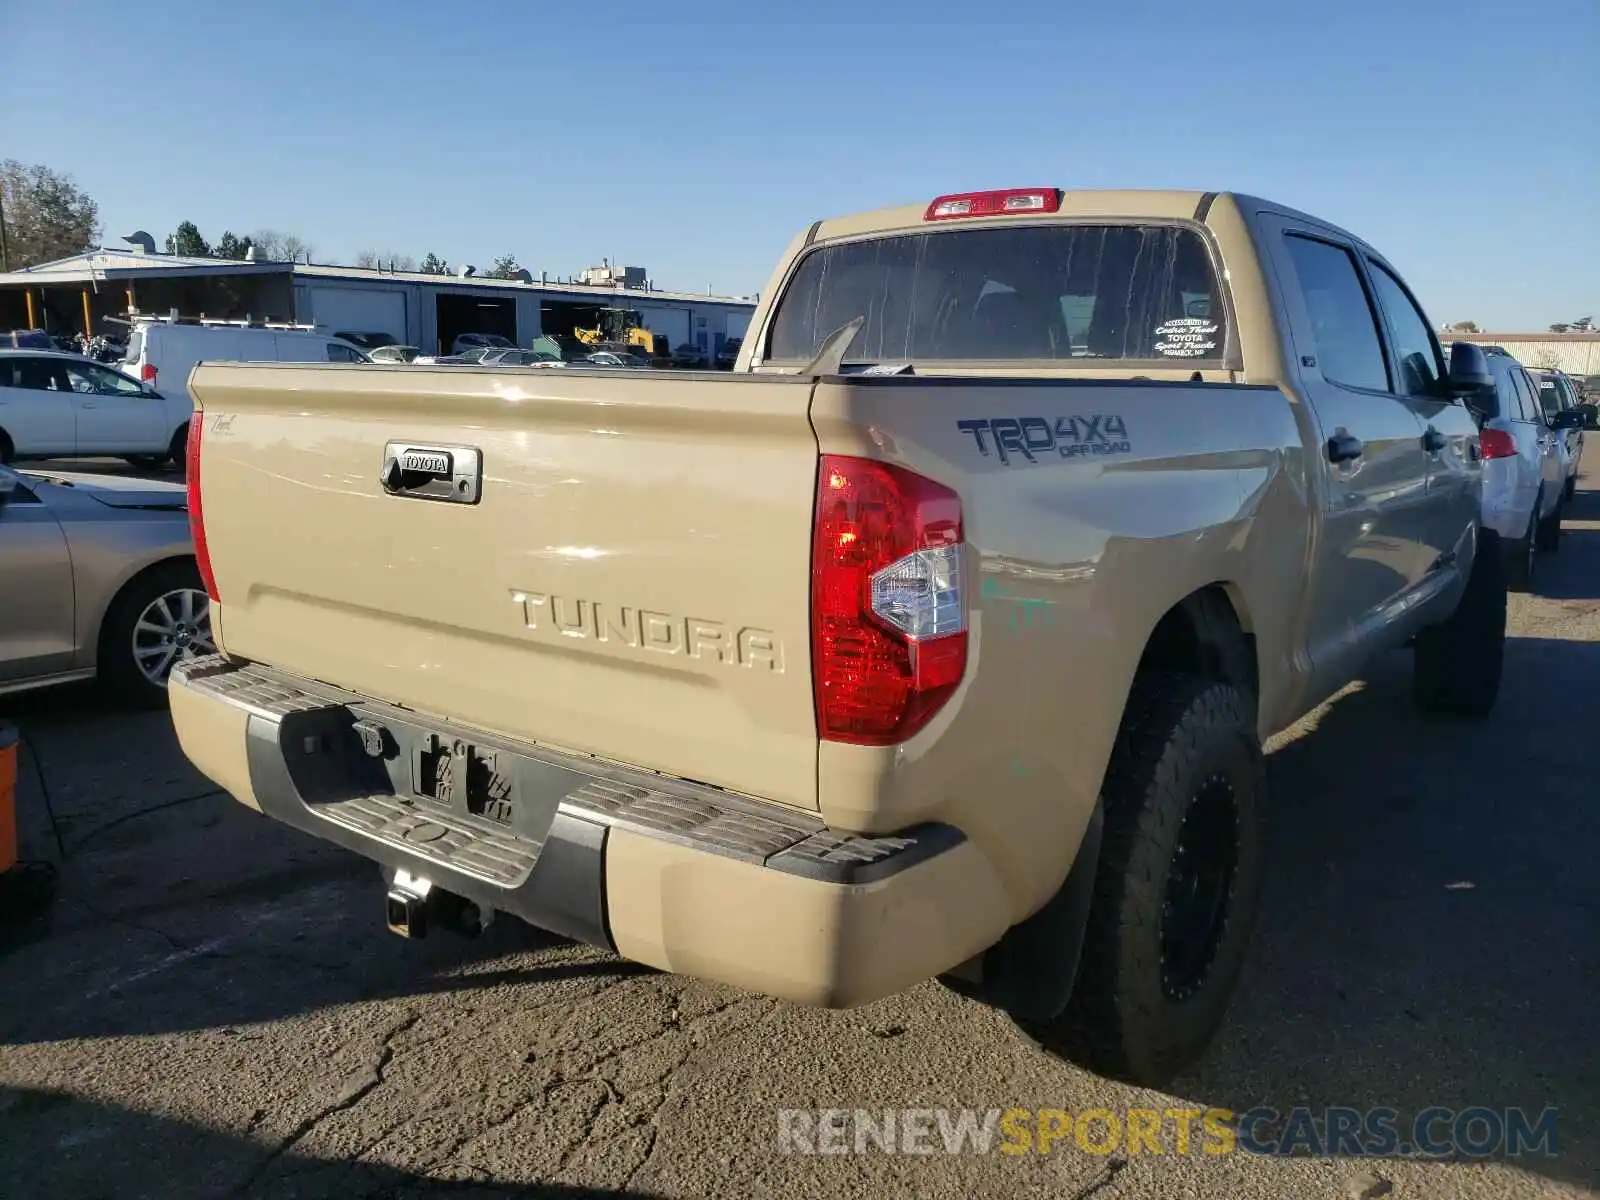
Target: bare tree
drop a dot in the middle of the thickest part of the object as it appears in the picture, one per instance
(277, 246)
(43, 215)
(372, 260)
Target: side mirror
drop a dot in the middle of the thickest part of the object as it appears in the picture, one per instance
(1470, 377)
(1567, 418)
(8, 485)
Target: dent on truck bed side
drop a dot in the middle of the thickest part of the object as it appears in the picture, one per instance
(1077, 557)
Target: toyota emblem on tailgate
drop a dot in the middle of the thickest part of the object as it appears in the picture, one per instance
(449, 473)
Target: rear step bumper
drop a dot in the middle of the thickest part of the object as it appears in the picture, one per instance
(680, 876)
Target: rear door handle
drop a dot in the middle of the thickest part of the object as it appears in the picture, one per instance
(1343, 448)
(1433, 441)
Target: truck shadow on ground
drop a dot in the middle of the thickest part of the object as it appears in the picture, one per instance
(45, 1135)
(1427, 935)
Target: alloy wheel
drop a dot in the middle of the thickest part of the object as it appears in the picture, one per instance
(173, 627)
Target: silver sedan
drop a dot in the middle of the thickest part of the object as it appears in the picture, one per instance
(97, 580)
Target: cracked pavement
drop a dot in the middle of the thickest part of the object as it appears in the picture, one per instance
(215, 1009)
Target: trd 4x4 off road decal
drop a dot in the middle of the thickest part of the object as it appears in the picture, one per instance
(1029, 437)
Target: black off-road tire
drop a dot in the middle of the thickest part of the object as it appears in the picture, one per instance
(1182, 738)
(1458, 662)
(1547, 538)
(118, 670)
(8, 449)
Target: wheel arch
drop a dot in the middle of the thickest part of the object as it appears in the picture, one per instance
(1031, 972)
(1210, 634)
(133, 578)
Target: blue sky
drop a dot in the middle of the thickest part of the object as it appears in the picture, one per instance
(696, 138)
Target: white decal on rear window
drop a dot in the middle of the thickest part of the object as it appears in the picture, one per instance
(1185, 337)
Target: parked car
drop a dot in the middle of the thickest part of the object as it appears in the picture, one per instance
(688, 356)
(366, 339)
(475, 354)
(393, 354)
(1556, 396)
(729, 354)
(97, 579)
(474, 341)
(516, 357)
(612, 358)
(1524, 485)
(721, 691)
(55, 405)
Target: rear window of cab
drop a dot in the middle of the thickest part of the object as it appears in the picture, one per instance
(1086, 293)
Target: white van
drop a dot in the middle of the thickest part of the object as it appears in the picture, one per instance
(161, 353)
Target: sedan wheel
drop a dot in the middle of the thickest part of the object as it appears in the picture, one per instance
(161, 618)
(174, 626)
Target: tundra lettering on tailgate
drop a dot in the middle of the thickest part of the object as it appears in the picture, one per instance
(639, 629)
(1029, 437)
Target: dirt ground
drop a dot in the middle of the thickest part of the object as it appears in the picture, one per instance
(214, 1008)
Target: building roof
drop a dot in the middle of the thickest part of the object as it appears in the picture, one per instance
(308, 270)
(1574, 353)
(101, 264)
(1546, 336)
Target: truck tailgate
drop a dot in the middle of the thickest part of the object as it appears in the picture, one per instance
(632, 581)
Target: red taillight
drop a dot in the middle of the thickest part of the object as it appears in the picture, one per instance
(197, 518)
(147, 373)
(888, 601)
(994, 204)
(1496, 443)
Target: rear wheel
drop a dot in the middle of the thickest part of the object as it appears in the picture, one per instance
(160, 618)
(178, 450)
(1177, 883)
(1457, 666)
(8, 449)
(1519, 555)
(1548, 537)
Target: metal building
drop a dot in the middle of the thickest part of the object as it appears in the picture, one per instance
(426, 310)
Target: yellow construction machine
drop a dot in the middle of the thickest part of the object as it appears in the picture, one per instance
(618, 328)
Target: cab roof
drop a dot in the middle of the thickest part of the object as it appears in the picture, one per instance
(1160, 204)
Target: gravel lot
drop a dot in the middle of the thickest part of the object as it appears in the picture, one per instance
(215, 1009)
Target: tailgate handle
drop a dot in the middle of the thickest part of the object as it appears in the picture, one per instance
(453, 474)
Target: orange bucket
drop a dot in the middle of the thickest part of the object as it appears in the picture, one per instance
(8, 797)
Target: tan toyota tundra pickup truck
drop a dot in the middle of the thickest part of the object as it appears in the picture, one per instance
(939, 639)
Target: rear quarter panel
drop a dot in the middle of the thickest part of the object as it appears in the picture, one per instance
(109, 547)
(1080, 547)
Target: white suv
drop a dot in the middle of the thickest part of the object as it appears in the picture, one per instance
(55, 405)
(1524, 469)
